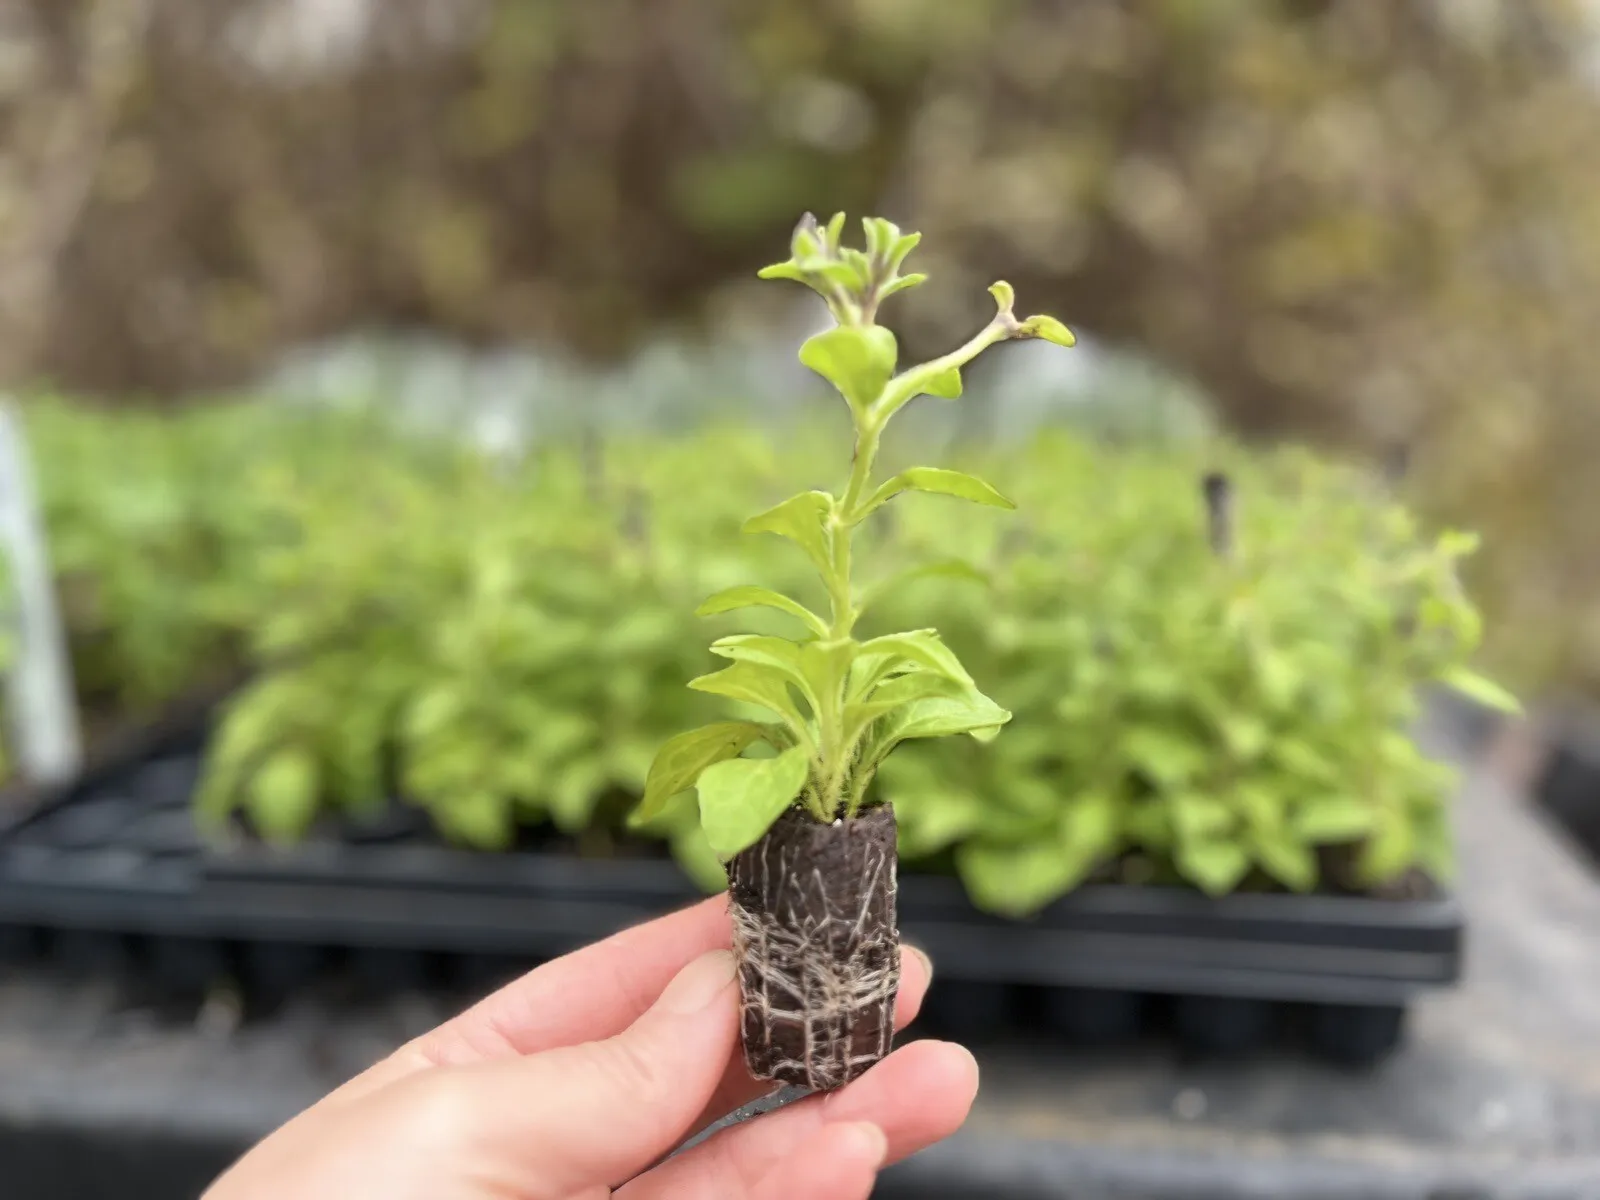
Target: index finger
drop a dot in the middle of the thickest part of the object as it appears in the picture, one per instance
(590, 994)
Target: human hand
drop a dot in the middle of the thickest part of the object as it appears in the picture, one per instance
(576, 1078)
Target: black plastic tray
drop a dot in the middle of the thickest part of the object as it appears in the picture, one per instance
(113, 870)
(1568, 787)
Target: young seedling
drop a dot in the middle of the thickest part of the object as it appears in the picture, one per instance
(811, 854)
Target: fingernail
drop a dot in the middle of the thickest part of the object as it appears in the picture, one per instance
(698, 984)
(866, 1140)
(922, 957)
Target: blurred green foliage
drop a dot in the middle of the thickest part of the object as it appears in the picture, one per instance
(1372, 223)
(1223, 719)
(503, 640)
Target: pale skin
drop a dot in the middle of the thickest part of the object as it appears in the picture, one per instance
(573, 1082)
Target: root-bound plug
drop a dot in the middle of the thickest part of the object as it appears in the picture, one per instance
(787, 801)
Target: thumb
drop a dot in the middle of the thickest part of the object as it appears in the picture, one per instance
(599, 1113)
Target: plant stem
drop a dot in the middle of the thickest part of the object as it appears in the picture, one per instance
(832, 755)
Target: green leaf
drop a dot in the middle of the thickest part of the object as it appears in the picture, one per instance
(699, 861)
(776, 653)
(749, 683)
(750, 596)
(893, 694)
(1291, 863)
(1089, 826)
(1216, 867)
(857, 359)
(915, 279)
(742, 797)
(574, 791)
(922, 647)
(1326, 820)
(946, 385)
(826, 666)
(1004, 295)
(1015, 880)
(480, 819)
(1389, 851)
(681, 759)
(834, 231)
(1165, 756)
(1197, 817)
(1048, 329)
(931, 820)
(1485, 691)
(881, 234)
(1305, 759)
(902, 247)
(940, 716)
(938, 481)
(948, 568)
(803, 520)
(282, 799)
(783, 270)
(434, 710)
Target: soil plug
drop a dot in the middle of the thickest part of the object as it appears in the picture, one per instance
(787, 801)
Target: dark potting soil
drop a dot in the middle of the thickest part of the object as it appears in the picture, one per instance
(816, 934)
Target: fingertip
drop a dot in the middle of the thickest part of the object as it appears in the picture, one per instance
(859, 1141)
(948, 1068)
(916, 973)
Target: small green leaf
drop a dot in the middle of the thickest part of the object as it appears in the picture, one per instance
(834, 232)
(881, 235)
(1215, 866)
(1485, 691)
(857, 359)
(946, 384)
(826, 665)
(681, 759)
(1047, 329)
(931, 820)
(1291, 863)
(1166, 756)
(1015, 879)
(1089, 826)
(282, 800)
(948, 568)
(902, 247)
(479, 819)
(1004, 295)
(803, 520)
(693, 852)
(1327, 820)
(749, 683)
(893, 694)
(1305, 759)
(750, 596)
(1389, 851)
(806, 241)
(574, 790)
(940, 716)
(783, 270)
(915, 279)
(776, 653)
(938, 481)
(1198, 817)
(741, 798)
(922, 647)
